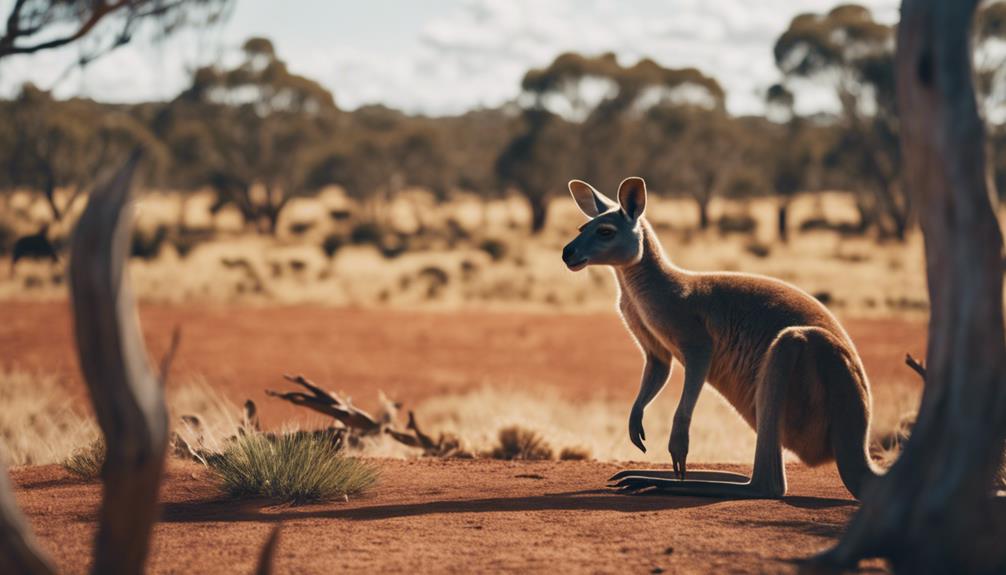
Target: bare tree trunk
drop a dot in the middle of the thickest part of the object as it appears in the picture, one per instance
(127, 397)
(703, 204)
(933, 511)
(539, 211)
(782, 220)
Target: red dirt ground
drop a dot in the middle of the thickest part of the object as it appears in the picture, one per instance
(435, 515)
(456, 516)
(409, 355)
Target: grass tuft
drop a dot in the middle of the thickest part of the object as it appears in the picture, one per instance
(516, 442)
(292, 467)
(86, 462)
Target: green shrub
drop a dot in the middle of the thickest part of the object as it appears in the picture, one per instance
(86, 462)
(293, 467)
(516, 442)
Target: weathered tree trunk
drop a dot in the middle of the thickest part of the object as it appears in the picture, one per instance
(782, 220)
(127, 397)
(933, 511)
(703, 204)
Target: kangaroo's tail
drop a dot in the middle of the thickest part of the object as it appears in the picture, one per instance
(849, 404)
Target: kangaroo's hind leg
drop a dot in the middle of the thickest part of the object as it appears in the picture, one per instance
(768, 479)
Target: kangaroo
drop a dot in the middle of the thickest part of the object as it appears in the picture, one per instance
(774, 352)
(34, 246)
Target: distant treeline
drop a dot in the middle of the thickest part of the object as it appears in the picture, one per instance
(259, 135)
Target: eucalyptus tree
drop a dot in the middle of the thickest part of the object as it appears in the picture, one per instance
(577, 114)
(250, 132)
(853, 54)
(69, 145)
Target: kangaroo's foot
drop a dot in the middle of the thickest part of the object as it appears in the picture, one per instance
(700, 488)
(699, 474)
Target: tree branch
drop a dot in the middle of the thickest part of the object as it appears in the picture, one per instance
(7, 47)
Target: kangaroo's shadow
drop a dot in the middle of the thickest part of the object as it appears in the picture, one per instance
(585, 500)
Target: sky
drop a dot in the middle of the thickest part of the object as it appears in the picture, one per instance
(441, 57)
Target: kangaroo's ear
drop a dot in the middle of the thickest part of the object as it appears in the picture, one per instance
(632, 197)
(591, 201)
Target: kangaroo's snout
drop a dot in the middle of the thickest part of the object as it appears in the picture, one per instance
(573, 261)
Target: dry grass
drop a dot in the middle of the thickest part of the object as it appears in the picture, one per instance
(39, 422)
(40, 425)
(598, 426)
(86, 462)
(290, 467)
(516, 442)
(574, 454)
(472, 253)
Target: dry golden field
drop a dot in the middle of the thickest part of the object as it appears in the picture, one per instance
(469, 254)
(457, 313)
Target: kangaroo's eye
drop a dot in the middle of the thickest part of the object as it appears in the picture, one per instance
(605, 232)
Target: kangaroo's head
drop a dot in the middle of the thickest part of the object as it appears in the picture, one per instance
(613, 235)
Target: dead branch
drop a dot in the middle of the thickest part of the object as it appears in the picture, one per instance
(425, 441)
(916, 366)
(359, 423)
(328, 404)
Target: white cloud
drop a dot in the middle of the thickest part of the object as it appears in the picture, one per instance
(468, 53)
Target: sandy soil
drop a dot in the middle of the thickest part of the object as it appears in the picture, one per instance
(411, 356)
(435, 515)
(459, 516)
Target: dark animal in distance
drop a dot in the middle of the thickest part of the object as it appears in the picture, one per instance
(35, 246)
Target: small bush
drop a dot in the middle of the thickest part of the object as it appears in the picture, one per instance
(736, 224)
(366, 233)
(188, 240)
(516, 442)
(86, 462)
(574, 454)
(146, 244)
(7, 237)
(332, 244)
(294, 468)
(436, 280)
(393, 245)
(758, 249)
(496, 249)
(300, 228)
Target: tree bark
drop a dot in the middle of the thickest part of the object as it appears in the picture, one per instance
(933, 512)
(128, 399)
